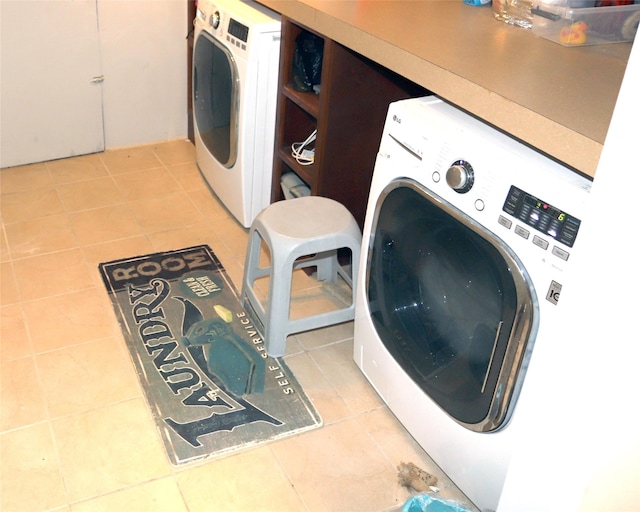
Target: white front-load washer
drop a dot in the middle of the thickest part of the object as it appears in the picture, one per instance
(236, 58)
(467, 237)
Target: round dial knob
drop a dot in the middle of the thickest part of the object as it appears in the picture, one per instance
(460, 176)
(215, 20)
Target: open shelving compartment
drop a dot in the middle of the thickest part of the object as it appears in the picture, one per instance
(348, 114)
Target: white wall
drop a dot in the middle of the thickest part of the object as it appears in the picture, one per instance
(581, 452)
(144, 62)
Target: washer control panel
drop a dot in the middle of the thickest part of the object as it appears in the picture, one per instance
(542, 216)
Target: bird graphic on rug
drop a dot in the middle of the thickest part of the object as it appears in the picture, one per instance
(220, 352)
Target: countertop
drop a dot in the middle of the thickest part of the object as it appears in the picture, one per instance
(557, 99)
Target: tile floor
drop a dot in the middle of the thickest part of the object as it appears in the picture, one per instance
(76, 434)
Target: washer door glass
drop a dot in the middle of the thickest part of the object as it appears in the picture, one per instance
(215, 98)
(451, 304)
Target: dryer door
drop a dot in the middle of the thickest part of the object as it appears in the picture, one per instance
(216, 98)
(451, 303)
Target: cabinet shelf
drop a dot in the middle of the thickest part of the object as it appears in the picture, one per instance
(309, 101)
(304, 172)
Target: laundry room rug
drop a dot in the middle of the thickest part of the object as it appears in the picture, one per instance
(200, 356)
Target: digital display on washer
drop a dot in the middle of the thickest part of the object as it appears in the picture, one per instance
(542, 216)
(238, 30)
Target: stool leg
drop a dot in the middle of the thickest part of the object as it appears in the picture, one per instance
(278, 307)
(327, 266)
(252, 271)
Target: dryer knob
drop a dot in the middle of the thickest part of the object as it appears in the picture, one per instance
(214, 21)
(460, 176)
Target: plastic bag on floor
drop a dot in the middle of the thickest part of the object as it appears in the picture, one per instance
(428, 503)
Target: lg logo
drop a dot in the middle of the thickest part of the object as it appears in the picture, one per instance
(553, 295)
(397, 119)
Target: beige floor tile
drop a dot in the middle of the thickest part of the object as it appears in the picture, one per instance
(130, 159)
(80, 168)
(104, 224)
(40, 236)
(115, 447)
(233, 235)
(52, 274)
(160, 495)
(22, 402)
(14, 340)
(330, 405)
(30, 479)
(320, 337)
(394, 440)
(175, 151)
(69, 319)
(24, 178)
(311, 302)
(147, 184)
(336, 361)
(199, 234)
(81, 376)
(170, 212)
(8, 286)
(117, 249)
(235, 270)
(210, 207)
(23, 206)
(336, 468)
(293, 346)
(4, 248)
(85, 195)
(188, 176)
(247, 481)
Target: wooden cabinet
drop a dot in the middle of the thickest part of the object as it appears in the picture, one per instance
(348, 114)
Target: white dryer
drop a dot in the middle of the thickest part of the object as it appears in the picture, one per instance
(467, 237)
(235, 79)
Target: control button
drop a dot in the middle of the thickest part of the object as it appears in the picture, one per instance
(524, 213)
(524, 233)
(540, 242)
(436, 177)
(560, 253)
(479, 205)
(544, 223)
(503, 221)
(512, 201)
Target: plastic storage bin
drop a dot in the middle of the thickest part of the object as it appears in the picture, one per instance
(293, 186)
(583, 26)
(428, 503)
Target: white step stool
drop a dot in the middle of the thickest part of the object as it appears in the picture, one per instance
(299, 233)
